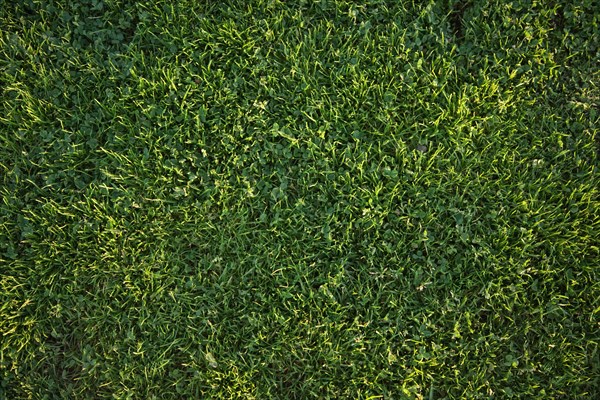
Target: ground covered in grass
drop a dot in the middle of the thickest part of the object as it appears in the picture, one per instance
(304, 199)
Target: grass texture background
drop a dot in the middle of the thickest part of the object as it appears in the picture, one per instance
(300, 199)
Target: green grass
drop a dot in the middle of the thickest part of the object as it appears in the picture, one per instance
(300, 199)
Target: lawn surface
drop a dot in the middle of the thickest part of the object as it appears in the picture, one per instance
(301, 199)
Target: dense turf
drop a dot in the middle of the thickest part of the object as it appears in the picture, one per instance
(303, 199)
